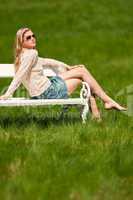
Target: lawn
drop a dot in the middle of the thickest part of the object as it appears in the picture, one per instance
(43, 156)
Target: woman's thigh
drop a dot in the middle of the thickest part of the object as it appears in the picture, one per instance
(72, 84)
(76, 73)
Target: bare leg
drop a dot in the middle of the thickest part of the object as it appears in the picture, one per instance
(72, 85)
(83, 74)
(94, 109)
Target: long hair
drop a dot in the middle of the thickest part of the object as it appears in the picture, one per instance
(18, 46)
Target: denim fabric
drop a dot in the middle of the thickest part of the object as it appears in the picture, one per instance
(57, 90)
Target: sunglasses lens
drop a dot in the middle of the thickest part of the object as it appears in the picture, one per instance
(30, 36)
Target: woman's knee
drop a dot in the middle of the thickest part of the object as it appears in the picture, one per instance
(82, 69)
(81, 66)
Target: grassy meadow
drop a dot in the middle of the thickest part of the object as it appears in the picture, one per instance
(47, 157)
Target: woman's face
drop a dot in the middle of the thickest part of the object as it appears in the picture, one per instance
(29, 40)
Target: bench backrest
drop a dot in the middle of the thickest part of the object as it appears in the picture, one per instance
(7, 70)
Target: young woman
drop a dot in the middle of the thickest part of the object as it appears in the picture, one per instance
(29, 71)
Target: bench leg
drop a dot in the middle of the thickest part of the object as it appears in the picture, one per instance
(85, 112)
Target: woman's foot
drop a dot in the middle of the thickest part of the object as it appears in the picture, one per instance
(113, 105)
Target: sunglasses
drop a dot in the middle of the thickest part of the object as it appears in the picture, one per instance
(30, 36)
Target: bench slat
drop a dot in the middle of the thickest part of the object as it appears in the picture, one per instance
(40, 102)
(6, 70)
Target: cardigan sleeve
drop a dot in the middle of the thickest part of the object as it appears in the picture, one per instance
(56, 65)
(28, 59)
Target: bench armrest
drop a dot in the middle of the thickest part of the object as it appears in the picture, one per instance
(85, 92)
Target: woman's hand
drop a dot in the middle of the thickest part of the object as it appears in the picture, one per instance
(4, 97)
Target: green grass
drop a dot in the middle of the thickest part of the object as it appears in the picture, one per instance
(43, 156)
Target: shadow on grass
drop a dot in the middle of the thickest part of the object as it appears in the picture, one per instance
(42, 121)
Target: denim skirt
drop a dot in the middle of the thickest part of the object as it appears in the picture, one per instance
(57, 89)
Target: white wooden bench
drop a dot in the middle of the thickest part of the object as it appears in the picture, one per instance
(7, 71)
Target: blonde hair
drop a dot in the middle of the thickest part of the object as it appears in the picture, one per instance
(18, 46)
